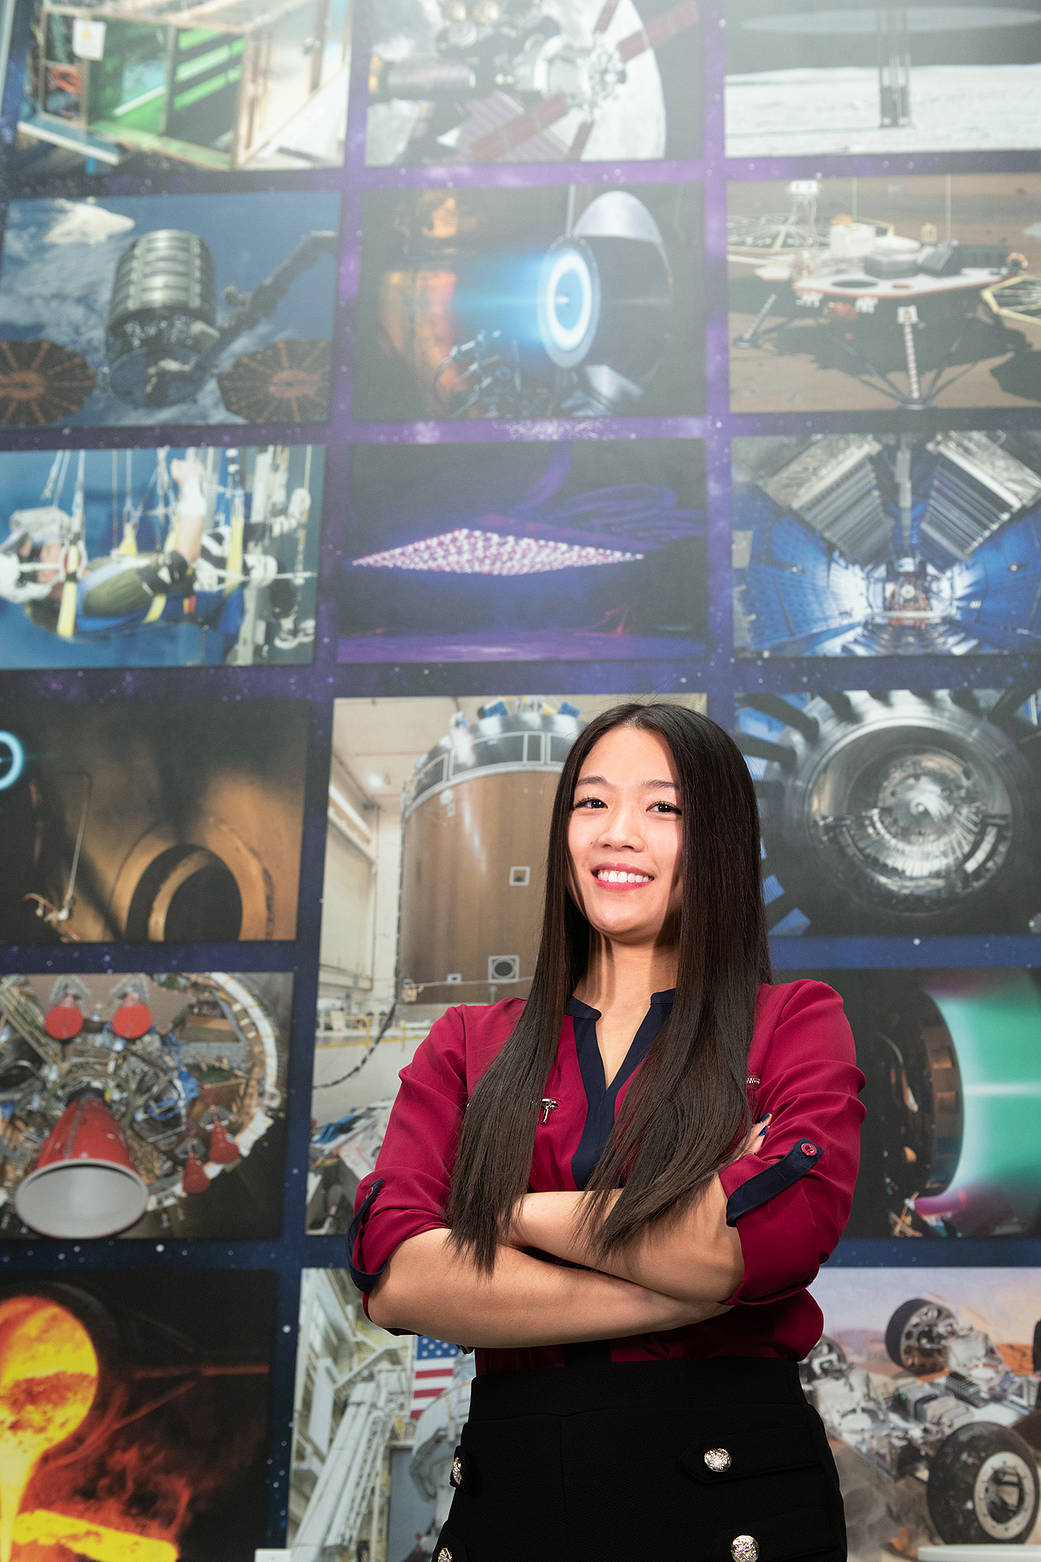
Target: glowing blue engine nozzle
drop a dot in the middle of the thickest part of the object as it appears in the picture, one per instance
(12, 760)
(569, 302)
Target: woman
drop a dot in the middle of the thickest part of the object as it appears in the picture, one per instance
(576, 1187)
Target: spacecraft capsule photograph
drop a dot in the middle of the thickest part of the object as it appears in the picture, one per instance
(191, 309)
(532, 81)
(434, 879)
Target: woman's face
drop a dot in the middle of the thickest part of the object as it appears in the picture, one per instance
(624, 837)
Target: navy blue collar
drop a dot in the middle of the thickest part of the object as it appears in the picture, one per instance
(579, 1010)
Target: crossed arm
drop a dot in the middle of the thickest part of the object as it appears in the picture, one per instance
(666, 1279)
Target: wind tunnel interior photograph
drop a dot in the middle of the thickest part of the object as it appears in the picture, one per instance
(532, 81)
(531, 551)
(151, 825)
(866, 77)
(174, 309)
(888, 544)
(117, 88)
(565, 302)
(897, 812)
(885, 294)
(196, 556)
(434, 878)
(953, 1072)
(143, 1412)
(142, 1106)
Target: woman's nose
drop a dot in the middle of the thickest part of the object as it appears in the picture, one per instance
(621, 827)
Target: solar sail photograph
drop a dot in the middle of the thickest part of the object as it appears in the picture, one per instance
(592, 550)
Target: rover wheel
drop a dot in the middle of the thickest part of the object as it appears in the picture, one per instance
(983, 1486)
(916, 1334)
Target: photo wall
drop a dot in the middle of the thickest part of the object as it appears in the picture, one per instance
(386, 388)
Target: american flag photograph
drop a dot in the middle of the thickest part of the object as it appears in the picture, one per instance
(432, 1373)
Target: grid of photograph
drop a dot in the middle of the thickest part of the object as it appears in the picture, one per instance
(387, 388)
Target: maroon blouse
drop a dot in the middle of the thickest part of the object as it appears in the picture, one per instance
(789, 1201)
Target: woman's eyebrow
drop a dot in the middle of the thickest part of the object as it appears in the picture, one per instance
(647, 785)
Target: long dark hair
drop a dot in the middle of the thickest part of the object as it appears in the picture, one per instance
(688, 1103)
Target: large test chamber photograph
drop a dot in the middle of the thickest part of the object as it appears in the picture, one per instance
(897, 811)
(158, 824)
(434, 879)
(887, 544)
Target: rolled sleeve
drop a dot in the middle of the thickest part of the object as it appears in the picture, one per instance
(789, 1202)
(407, 1190)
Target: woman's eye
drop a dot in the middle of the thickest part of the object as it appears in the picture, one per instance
(665, 808)
(588, 802)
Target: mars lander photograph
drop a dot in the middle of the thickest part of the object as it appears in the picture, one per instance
(534, 81)
(209, 86)
(809, 79)
(885, 294)
(564, 301)
(887, 545)
(191, 309)
(143, 1106)
(180, 557)
(897, 811)
(161, 822)
(584, 551)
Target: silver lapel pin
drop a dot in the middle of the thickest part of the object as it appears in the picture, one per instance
(548, 1106)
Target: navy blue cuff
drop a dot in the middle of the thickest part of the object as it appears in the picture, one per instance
(765, 1185)
(363, 1280)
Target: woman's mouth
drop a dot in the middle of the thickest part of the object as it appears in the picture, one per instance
(620, 878)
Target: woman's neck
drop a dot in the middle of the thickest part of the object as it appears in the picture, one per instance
(623, 976)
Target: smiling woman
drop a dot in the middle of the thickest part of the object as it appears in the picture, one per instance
(576, 1187)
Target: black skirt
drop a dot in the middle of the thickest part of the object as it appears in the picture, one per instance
(708, 1461)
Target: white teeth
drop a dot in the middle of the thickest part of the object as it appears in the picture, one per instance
(612, 876)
